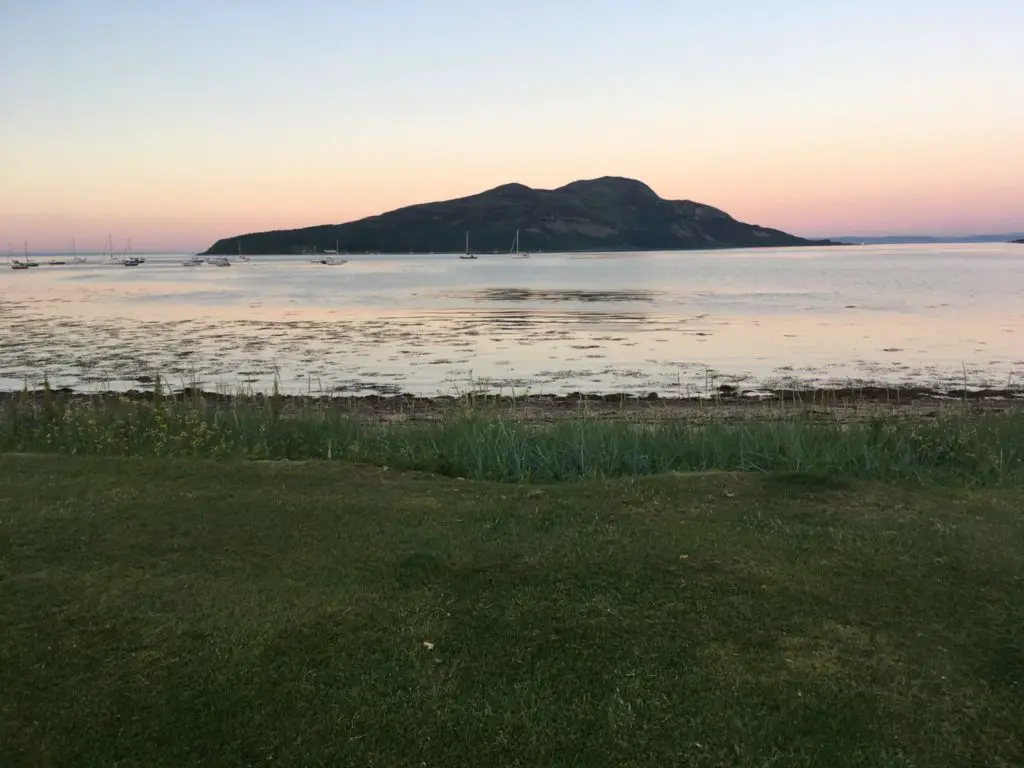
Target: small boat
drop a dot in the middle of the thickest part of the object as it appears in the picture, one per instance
(127, 256)
(240, 256)
(108, 250)
(516, 253)
(219, 261)
(329, 261)
(195, 261)
(25, 263)
(468, 254)
(58, 263)
(125, 259)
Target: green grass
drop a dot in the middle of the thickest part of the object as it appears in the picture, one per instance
(982, 450)
(175, 612)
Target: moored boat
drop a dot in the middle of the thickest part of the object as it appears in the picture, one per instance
(469, 254)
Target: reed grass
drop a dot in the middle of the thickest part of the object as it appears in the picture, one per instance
(482, 444)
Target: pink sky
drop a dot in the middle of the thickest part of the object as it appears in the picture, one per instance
(819, 119)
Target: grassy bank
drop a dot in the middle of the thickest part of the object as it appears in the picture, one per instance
(170, 612)
(985, 449)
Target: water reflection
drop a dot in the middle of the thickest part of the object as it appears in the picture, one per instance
(429, 325)
(539, 294)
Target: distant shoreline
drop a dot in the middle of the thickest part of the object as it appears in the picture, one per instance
(546, 253)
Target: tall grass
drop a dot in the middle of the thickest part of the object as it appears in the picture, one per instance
(984, 450)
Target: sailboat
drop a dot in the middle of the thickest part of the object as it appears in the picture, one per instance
(240, 256)
(108, 251)
(327, 259)
(15, 264)
(516, 253)
(131, 261)
(75, 258)
(468, 255)
(26, 263)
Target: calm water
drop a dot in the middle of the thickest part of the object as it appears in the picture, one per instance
(673, 323)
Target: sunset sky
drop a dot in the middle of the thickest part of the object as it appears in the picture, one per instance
(176, 123)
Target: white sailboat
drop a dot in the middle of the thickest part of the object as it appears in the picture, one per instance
(75, 258)
(327, 259)
(240, 256)
(108, 251)
(468, 254)
(516, 253)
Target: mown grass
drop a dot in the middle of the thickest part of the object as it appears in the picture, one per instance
(173, 612)
(978, 450)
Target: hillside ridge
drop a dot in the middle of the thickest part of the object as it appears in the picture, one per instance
(608, 213)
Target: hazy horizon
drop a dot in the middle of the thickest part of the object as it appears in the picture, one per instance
(182, 124)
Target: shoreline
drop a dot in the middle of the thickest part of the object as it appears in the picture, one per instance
(727, 403)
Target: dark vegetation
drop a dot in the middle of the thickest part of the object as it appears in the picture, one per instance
(609, 213)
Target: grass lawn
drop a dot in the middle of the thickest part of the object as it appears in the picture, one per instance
(177, 612)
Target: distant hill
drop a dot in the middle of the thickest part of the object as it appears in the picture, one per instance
(610, 213)
(912, 239)
(1019, 242)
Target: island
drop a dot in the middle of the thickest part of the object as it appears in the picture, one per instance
(1018, 242)
(606, 214)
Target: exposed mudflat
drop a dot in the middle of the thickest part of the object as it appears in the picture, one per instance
(680, 325)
